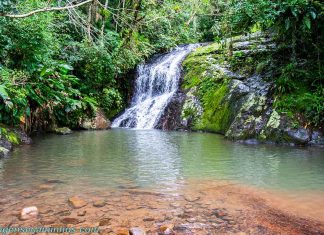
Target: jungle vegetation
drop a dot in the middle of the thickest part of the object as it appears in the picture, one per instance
(60, 60)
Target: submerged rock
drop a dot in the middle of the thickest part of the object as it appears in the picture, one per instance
(166, 229)
(104, 221)
(71, 220)
(77, 202)
(122, 231)
(137, 231)
(99, 203)
(29, 213)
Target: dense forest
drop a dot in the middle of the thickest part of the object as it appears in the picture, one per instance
(60, 60)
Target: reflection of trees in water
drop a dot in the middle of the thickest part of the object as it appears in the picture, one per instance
(140, 158)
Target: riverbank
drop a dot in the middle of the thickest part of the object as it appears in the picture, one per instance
(208, 207)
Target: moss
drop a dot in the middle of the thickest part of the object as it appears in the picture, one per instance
(9, 135)
(217, 112)
(274, 120)
(62, 131)
(209, 49)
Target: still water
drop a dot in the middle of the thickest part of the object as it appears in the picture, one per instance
(122, 158)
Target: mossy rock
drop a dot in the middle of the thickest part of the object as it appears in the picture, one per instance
(62, 131)
(4, 152)
(217, 114)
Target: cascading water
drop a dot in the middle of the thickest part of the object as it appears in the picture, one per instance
(156, 84)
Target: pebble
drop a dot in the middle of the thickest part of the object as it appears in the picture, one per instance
(46, 186)
(81, 213)
(104, 222)
(29, 213)
(71, 220)
(99, 203)
(77, 202)
(137, 231)
(191, 199)
(166, 229)
(122, 232)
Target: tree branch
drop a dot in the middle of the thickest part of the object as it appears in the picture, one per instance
(47, 9)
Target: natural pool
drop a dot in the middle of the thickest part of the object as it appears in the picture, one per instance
(150, 158)
(199, 183)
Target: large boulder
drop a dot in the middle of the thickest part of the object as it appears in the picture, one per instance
(99, 122)
(231, 92)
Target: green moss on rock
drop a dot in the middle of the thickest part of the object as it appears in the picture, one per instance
(217, 112)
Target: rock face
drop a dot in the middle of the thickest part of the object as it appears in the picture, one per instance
(230, 92)
(99, 122)
(29, 213)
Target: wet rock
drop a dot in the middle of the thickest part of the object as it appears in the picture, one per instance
(166, 229)
(46, 186)
(29, 213)
(122, 231)
(48, 221)
(317, 138)
(5, 143)
(104, 222)
(27, 194)
(99, 203)
(107, 231)
(77, 202)
(191, 198)
(82, 213)
(4, 152)
(99, 122)
(45, 210)
(219, 213)
(62, 131)
(300, 136)
(71, 220)
(54, 181)
(64, 213)
(137, 231)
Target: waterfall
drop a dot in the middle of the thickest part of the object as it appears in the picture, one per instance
(156, 83)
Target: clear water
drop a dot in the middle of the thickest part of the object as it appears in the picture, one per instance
(155, 159)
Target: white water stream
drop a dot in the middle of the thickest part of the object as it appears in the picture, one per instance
(156, 84)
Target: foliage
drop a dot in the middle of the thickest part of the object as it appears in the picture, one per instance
(111, 102)
(37, 53)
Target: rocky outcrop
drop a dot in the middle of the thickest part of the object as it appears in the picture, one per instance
(9, 137)
(99, 122)
(228, 91)
(171, 118)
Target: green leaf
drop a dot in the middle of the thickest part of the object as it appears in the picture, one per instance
(307, 22)
(3, 92)
(313, 14)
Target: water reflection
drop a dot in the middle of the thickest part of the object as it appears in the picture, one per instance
(138, 158)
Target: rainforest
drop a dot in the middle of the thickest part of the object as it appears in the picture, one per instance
(161, 116)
